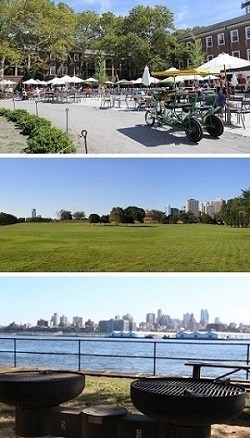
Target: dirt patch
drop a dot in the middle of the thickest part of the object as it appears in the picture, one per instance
(11, 140)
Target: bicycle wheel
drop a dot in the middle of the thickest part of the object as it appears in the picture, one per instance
(214, 125)
(193, 129)
(149, 118)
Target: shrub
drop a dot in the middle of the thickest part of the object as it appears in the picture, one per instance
(43, 138)
(49, 140)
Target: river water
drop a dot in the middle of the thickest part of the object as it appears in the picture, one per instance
(121, 355)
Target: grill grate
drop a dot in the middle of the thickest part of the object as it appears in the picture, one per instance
(188, 387)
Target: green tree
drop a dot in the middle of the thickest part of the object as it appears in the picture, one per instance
(137, 213)
(78, 215)
(117, 215)
(65, 215)
(104, 219)
(154, 216)
(94, 218)
(7, 219)
(196, 53)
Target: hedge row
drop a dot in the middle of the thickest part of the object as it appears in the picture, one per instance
(43, 138)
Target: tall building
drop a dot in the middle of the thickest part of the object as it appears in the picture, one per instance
(218, 204)
(54, 322)
(168, 210)
(210, 210)
(33, 213)
(159, 315)
(150, 319)
(204, 318)
(63, 321)
(192, 205)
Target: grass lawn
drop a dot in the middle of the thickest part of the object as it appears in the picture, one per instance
(83, 247)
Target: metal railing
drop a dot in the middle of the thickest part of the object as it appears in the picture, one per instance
(123, 356)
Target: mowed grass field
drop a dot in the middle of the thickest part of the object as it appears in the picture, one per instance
(84, 247)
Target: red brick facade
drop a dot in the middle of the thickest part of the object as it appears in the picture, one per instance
(231, 36)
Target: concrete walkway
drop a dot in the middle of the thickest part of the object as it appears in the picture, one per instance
(123, 130)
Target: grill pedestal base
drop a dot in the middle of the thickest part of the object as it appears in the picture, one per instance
(174, 431)
(32, 422)
(100, 421)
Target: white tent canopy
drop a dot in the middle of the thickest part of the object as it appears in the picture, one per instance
(224, 62)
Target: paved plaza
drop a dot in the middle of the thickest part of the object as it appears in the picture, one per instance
(123, 130)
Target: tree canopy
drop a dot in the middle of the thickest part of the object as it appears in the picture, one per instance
(30, 30)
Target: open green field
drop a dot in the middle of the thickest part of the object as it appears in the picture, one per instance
(84, 247)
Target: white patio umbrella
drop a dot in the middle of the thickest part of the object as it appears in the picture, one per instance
(76, 80)
(59, 81)
(137, 81)
(224, 62)
(154, 80)
(30, 82)
(172, 79)
(122, 81)
(210, 77)
(7, 82)
(91, 80)
(146, 78)
(66, 79)
(53, 81)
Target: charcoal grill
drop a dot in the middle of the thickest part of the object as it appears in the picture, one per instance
(33, 393)
(188, 402)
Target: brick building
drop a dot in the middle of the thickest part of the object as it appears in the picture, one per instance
(230, 36)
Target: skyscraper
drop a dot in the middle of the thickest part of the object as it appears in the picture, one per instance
(218, 204)
(204, 317)
(167, 210)
(193, 206)
(33, 213)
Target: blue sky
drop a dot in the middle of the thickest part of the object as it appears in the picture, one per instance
(187, 13)
(29, 298)
(96, 185)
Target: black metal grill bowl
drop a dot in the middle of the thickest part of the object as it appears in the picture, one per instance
(34, 389)
(188, 402)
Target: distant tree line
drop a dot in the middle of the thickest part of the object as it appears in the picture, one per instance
(235, 212)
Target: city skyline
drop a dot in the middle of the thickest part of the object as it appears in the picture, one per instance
(186, 13)
(27, 298)
(97, 185)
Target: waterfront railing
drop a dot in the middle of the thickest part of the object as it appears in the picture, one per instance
(121, 356)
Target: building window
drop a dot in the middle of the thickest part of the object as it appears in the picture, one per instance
(247, 31)
(248, 54)
(234, 36)
(221, 39)
(181, 65)
(236, 53)
(76, 57)
(209, 41)
(189, 62)
(52, 70)
(209, 57)
(64, 70)
(52, 56)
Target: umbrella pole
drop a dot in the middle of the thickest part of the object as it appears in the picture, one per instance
(228, 112)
